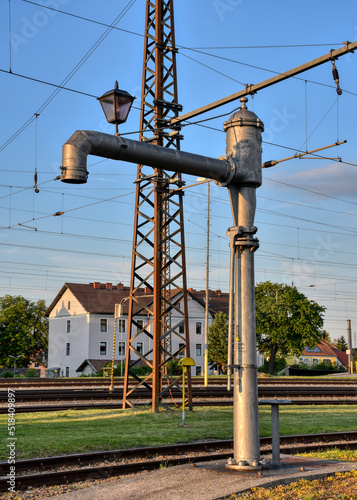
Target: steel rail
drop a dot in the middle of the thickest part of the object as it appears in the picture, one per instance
(82, 382)
(196, 403)
(289, 445)
(197, 392)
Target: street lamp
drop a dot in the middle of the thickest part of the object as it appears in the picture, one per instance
(15, 358)
(116, 105)
(117, 315)
(203, 179)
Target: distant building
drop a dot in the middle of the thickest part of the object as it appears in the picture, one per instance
(81, 326)
(324, 352)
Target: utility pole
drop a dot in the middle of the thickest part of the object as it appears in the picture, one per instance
(158, 267)
(350, 349)
(207, 290)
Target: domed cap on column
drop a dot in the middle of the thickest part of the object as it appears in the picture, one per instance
(243, 117)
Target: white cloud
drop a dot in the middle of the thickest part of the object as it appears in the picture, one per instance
(333, 180)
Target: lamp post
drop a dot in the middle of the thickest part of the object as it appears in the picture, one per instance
(15, 358)
(117, 316)
(203, 179)
(116, 105)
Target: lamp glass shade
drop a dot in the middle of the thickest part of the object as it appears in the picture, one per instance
(116, 105)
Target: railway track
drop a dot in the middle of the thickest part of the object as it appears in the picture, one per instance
(80, 382)
(63, 406)
(202, 393)
(89, 466)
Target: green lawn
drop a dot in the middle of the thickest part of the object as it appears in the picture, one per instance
(64, 432)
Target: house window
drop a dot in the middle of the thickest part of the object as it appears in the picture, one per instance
(121, 326)
(69, 305)
(103, 348)
(198, 371)
(182, 346)
(198, 350)
(182, 329)
(139, 347)
(68, 326)
(121, 347)
(327, 361)
(198, 327)
(67, 371)
(315, 362)
(68, 348)
(103, 325)
(140, 323)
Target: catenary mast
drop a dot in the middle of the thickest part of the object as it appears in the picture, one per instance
(158, 286)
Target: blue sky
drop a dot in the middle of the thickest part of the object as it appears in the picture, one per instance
(306, 212)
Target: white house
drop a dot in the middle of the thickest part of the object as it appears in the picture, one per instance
(81, 327)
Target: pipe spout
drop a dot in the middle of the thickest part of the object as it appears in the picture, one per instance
(82, 143)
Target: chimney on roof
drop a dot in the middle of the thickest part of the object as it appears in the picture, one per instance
(147, 290)
(190, 290)
(120, 286)
(96, 284)
(108, 286)
(218, 292)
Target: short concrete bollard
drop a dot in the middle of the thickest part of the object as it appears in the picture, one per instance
(275, 435)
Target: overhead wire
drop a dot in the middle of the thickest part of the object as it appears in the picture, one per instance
(212, 69)
(181, 46)
(194, 123)
(311, 191)
(70, 75)
(290, 46)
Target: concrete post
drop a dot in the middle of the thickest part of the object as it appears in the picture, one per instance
(349, 350)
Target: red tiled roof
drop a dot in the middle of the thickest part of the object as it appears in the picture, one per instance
(100, 298)
(217, 300)
(327, 349)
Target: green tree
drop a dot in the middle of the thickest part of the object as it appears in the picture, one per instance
(341, 343)
(286, 320)
(218, 341)
(23, 330)
(326, 336)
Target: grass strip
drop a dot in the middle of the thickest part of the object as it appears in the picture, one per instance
(71, 431)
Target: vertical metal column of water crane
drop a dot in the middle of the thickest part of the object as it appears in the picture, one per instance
(158, 274)
(244, 145)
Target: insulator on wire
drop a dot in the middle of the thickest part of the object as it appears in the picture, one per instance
(335, 74)
(35, 182)
(269, 164)
(336, 78)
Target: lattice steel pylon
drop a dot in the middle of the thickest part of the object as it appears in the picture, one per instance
(158, 285)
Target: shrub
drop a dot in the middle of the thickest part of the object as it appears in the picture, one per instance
(320, 366)
(173, 368)
(279, 365)
(32, 373)
(7, 374)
